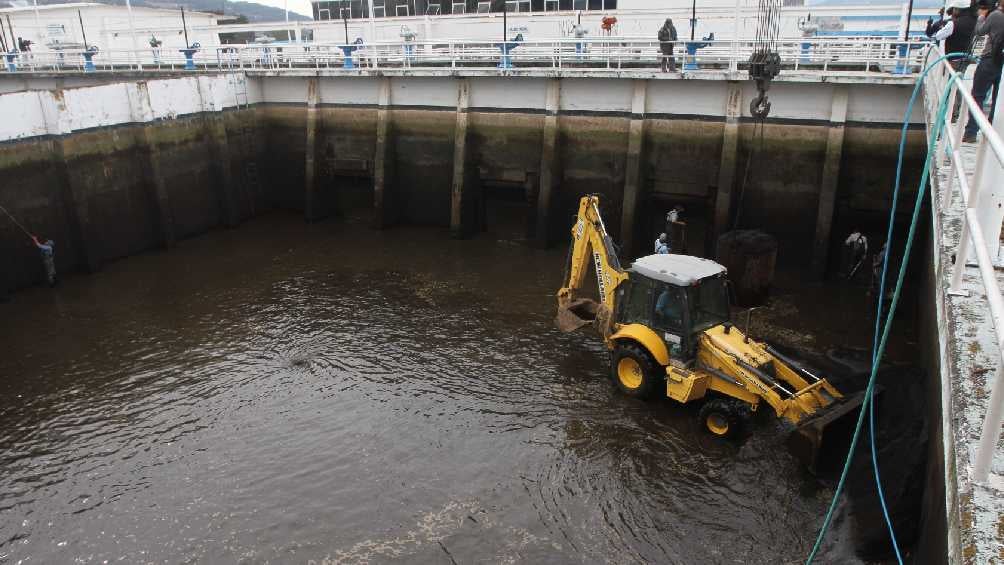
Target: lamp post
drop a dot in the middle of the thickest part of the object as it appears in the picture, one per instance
(38, 22)
(285, 6)
(132, 35)
(345, 21)
(693, 19)
(909, 15)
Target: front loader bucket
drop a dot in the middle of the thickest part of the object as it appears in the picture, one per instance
(577, 313)
(822, 440)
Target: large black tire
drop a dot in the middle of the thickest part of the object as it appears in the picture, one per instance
(635, 372)
(724, 417)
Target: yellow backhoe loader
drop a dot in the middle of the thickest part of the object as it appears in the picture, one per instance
(667, 325)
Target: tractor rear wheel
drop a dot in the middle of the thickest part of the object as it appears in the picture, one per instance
(634, 370)
(723, 417)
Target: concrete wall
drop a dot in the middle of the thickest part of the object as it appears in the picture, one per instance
(434, 150)
(682, 129)
(112, 170)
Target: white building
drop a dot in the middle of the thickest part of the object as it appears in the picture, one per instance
(111, 29)
(57, 27)
(720, 17)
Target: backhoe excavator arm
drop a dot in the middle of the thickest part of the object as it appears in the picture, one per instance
(590, 244)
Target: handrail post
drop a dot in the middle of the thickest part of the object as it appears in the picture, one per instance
(991, 425)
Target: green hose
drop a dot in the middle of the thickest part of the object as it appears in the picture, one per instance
(880, 351)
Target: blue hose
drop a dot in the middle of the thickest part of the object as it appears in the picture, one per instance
(879, 344)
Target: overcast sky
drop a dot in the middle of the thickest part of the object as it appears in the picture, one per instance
(300, 6)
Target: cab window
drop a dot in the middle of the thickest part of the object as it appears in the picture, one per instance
(669, 307)
(709, 304)
(638, 303)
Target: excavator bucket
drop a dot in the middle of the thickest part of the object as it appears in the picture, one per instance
(822, 440)
(577, 313)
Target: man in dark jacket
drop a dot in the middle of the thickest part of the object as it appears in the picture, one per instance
(667, 35)
(988, 71)
(961, 39)
(934, 27)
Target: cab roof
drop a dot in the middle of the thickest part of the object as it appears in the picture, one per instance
(680, 270)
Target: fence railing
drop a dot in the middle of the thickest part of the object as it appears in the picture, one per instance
(981, 220)
(853, 54)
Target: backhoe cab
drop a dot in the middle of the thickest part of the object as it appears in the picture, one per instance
(666, 322)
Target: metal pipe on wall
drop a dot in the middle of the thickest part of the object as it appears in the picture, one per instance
(184, 27)
(83, 33)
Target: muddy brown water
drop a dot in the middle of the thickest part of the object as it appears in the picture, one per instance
(285, 392)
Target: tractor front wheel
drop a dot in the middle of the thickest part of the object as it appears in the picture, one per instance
(723, 417)
(635, 371)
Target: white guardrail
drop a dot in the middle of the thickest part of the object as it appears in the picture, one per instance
(853, 54)
(981, 226)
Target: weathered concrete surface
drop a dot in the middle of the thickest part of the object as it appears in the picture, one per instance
(633, 166)
(829, 182)
(461, 193)
(966, 356)
(385, 204)
(550, 163)
(727, 164)
(643, 145)
(311, 209)
(681, 162)
(110, 193)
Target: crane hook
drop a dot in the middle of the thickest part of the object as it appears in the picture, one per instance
(760, 106)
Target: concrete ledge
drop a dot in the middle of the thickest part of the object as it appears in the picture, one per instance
(792, 76)
(968, 365)
(800, 76)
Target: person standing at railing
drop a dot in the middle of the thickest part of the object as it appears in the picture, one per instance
(155, 47)
(607, 24)
(934, 27)
(409, 39)
(667, 35)
(956, 32)
(579, 31)
(988, 71)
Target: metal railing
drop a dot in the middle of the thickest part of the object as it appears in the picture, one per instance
(981, 222)
(595, 54)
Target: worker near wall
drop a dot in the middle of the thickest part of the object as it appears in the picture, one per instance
(667, 35)
(988, 71)
(676, 230)
(662, 244)
(854, 253)
(48, 251)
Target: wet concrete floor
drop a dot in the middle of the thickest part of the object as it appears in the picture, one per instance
(285, 392)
